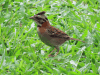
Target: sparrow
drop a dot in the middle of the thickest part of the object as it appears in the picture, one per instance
(48, 34)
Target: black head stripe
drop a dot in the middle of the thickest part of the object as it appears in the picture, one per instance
(40, 18)
(41, 13)
(46, 18)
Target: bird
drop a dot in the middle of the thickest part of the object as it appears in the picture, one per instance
(48, 34)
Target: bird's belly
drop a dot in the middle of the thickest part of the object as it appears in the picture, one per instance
(51, 41)
(45, 39)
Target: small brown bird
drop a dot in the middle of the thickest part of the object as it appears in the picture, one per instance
(49, 34)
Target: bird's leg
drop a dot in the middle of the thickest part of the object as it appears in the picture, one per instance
(51, 52)
(57, 51)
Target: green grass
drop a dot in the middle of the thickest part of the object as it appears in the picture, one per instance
(23, 53)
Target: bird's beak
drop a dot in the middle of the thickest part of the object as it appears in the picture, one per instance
(32, 17)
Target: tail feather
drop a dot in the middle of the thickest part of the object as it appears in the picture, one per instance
(76, 39)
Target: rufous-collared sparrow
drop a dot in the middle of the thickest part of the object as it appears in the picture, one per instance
(49, 34)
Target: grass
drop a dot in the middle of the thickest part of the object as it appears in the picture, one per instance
(23, 53)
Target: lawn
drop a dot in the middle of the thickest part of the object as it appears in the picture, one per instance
(23, 53)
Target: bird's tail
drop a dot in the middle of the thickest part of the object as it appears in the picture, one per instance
(76, 39)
